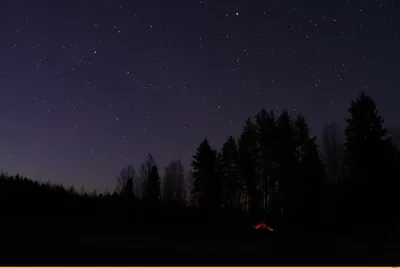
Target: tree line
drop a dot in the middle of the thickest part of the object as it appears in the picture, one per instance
(274, 171)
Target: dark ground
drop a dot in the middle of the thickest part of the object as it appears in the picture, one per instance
(68, 245)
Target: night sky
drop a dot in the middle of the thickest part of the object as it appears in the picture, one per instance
(90, 86)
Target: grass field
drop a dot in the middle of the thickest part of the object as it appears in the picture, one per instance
(67, 244)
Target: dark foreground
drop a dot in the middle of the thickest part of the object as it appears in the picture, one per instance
(68, 245)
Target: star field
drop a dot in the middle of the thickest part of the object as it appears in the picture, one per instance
(90, 86)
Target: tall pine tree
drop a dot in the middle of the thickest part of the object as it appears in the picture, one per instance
(229, 173)
(311, 180)
(153, 186)
(364, 149)
(247, 166)
(286, 147)
(207, 184)
(266, 138)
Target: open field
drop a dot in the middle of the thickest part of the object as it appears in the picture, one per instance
(67, 244)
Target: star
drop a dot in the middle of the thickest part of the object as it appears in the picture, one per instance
(112, 77)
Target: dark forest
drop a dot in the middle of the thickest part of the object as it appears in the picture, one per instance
(273, 195)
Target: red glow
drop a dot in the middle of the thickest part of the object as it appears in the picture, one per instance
(260, 226)
(263, 226)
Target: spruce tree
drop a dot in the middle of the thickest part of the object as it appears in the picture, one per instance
(298, 182)
(314, 186)
(364, 149)
(287, 165)
(266, 138)
(247, 165)
(332, 146)
(206, 184)
(229, 172)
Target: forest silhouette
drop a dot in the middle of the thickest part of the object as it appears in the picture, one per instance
(342, 186)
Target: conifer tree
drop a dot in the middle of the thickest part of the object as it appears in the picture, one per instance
(229, 173)
(311, 181)
(287, 164)
(153, 186)
(247, 165)
(364, 148)
(266, 138)
(207, 184)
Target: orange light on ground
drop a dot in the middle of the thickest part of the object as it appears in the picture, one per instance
(263, 226)
(260, 226)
